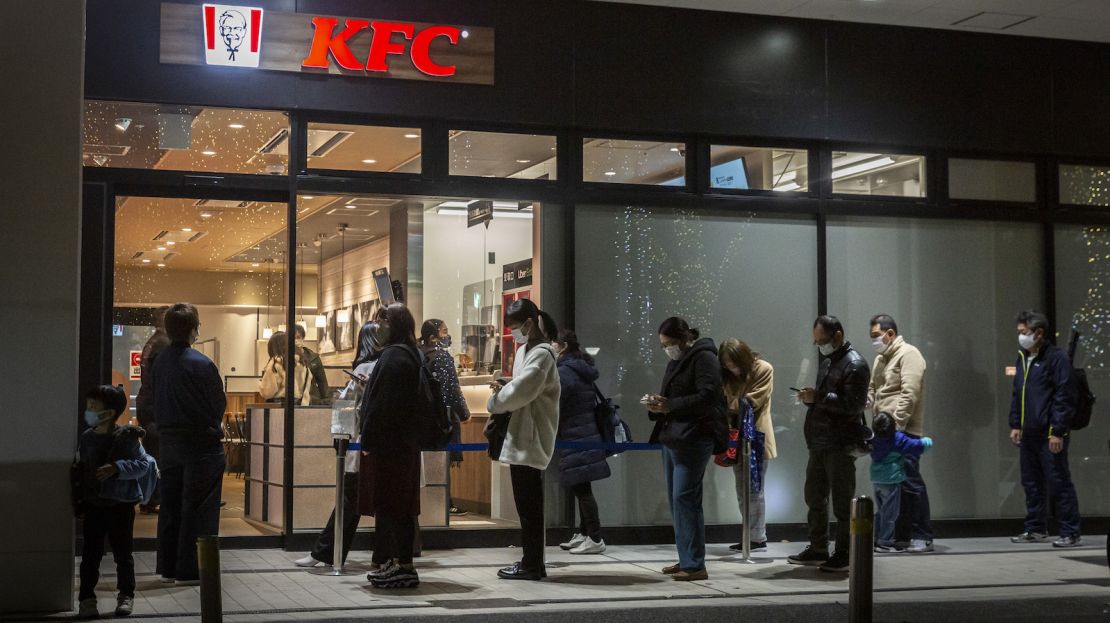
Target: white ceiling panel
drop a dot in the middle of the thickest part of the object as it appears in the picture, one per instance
(1082, 20)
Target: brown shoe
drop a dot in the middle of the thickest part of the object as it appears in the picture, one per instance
(691, 576)
(673, 569)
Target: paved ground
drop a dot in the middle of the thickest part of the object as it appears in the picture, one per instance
(965, 580)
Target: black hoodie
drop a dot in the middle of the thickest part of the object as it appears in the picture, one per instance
(696, 398)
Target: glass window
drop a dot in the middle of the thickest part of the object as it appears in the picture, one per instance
(889, 175)
(1082, 303)
(229, 259)
(905, 267)
(343, 147)
(499, 154)
(992, 180)
(652, 163)
(1084, 185)
(758, 168)
(185, 138)
(723, 273)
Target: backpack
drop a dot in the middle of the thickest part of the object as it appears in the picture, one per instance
(607, 415)
(1086, 403)
(433, 416)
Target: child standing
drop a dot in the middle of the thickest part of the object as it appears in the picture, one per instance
(112, 473)
(888, 471)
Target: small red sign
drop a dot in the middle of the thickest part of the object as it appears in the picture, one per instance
(136, 365)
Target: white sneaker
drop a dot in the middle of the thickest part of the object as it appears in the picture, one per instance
(307, 561)
(589, 546)
(920, 546)
(574, 542)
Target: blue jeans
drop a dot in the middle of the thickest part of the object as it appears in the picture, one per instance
(1046, 476)
(888, 502)
(684, 468)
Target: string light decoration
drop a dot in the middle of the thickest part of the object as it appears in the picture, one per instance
(1093, 317)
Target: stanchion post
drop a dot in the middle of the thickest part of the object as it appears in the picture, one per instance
(861, 558)
(211, 593)
(340, 473)
(746, 470)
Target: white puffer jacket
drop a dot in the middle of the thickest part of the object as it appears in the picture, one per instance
(532, 396)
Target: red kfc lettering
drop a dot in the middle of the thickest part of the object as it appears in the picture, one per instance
(421, 50)
(382, 45)
(324, 41)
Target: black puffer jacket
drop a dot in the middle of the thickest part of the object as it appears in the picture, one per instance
(695, 396)
(833, 421)
(577, 422)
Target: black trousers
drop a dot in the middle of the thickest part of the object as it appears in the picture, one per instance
(324, 550)
(117, 522)
(528, 495)
(394, 537)
(190, 508)
(830, 473)
(589, 518)
(914, 521)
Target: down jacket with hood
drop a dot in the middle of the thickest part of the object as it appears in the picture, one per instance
(577, 422)
(696, 397)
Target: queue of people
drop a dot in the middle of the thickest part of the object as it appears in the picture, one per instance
(552, 396)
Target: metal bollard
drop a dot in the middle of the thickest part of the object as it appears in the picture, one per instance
(861, 556)
(342, 444)
(211, 593)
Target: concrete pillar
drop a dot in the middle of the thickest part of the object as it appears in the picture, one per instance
(40, 197)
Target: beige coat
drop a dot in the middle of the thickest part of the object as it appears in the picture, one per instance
(898, 386)
(759, 394)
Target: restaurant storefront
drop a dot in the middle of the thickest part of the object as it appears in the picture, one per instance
(302, 163)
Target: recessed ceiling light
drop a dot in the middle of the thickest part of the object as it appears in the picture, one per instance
(369, 161)
(236, 126)
(161, 248)
(674, 149)
(350, 207)
(610, 173)
(411, 135)
(523, 160)
(146, 261)
(187, 229)
(170, 243)
(161, 265)
(205, 215)
(208, 152)
(308, 196)
(254, 265)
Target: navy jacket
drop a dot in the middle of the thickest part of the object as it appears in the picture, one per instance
(189, 404)
(577, 423)
(1043, 404)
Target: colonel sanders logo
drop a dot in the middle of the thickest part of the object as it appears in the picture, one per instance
(232, 35)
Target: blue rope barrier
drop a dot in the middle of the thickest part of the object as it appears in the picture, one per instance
(559, 445)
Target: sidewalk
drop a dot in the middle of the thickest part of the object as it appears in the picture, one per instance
(965, 580)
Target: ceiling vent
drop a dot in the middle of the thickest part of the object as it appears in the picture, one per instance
(352, 210)
(106, 150)
(197, 236)
(169, 256)
(320, 142)
(137, 255)
(221, 204)
(993, 21)
(162, 234)
(372, 201)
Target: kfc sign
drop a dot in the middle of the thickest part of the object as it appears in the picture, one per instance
(232, 36)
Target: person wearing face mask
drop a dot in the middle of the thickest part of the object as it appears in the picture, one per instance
(144, 401)
(1044, 401)
(435, 339)
(690, 422)
(748, 376)
(272, 384)
(898, 388)
(112, 473)
(189, 403)
(832, 428)
(321, 392)
(531, 398)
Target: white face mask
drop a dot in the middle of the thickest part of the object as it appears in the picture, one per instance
(879, 345)
(674, 352)
(92, 418)
(826, 349)
(1026, 341)
(519, 337)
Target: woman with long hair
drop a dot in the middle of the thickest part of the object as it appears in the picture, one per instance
(748, 377)
(689, 421)
(532, 399)
(435, 339)
(578, 469)
(272, 385)
(389, 478)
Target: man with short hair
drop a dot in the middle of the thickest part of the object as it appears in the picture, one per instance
(833, 430)
(321, 393)
(144, 401)
(189, 402)
(1044, 401)
(898, 388)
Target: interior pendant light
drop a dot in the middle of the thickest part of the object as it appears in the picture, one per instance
(344, 314)
(267, 333)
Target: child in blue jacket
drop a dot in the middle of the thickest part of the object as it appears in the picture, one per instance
(112, 473)
(890, 446)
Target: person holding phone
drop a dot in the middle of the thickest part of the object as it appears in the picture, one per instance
(532, 399)
(370, 345)
(689, 415)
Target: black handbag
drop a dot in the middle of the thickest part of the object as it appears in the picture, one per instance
(497, 429)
